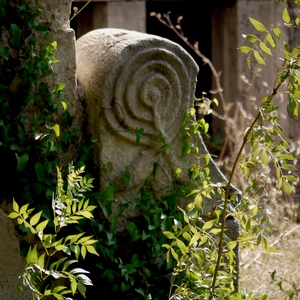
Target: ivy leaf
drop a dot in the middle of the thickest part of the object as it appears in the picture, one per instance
(258, 25)
(155, 167)
(138, 134)
(126, 177)
(15, 33)
(4, 52)
(21, 161)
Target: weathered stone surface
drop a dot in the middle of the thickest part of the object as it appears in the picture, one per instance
(11, 262)
(132, 81)
(56, 14)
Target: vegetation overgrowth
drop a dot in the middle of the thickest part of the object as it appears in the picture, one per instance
(169, 251)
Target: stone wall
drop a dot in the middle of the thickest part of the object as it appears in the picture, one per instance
(55, 13)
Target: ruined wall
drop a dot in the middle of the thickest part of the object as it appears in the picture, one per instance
(55, 13)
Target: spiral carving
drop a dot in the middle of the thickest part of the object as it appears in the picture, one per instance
(149, 84)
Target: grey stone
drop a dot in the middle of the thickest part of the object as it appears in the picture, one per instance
(11, 262)
(130, 81)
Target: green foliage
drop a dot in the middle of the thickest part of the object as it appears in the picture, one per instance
(48, 270)
(35, 125)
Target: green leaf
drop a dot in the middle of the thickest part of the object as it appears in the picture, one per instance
(245, 49)
(181, 246)
(208, 224)
(24, 208)
(271, 40)
(287, 187)
(13, 215)
(290, 178)
(126, 177)
(277, 32)
(64, 105)
(265, 48)
(169, 235)
(83, 251)
(124, 287)
(140, 291)
(73, 285)
(258, 25)
(91, 249)
(154, 170)
(175, 255)
(56, 129)
(42, 226)
(4, 52)
(264, 157)
(260, 59)
(165, 146)
(34, 220)
(21, 161)
(284, 156)
(15, 33)
(136, 262)
(177, 172)
(138, 134)
(251, 38)
(285, 16)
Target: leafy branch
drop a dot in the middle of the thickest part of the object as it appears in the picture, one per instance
(69, 207)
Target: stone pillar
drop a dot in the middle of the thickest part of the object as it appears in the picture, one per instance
(56, 14)
(11, 262)
(230, 19)
(120, 14)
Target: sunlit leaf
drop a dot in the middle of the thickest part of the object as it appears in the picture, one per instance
(41, 226)
(265, 48)
(271, 40)
(287, 187)
(245, 49)
(15, 206)
(251, 38)
(169, 235)
(259, 58)
(56, 129)
(277, 32)
(258, 25)
(285, 16)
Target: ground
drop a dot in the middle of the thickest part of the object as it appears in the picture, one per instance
(257, 265)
